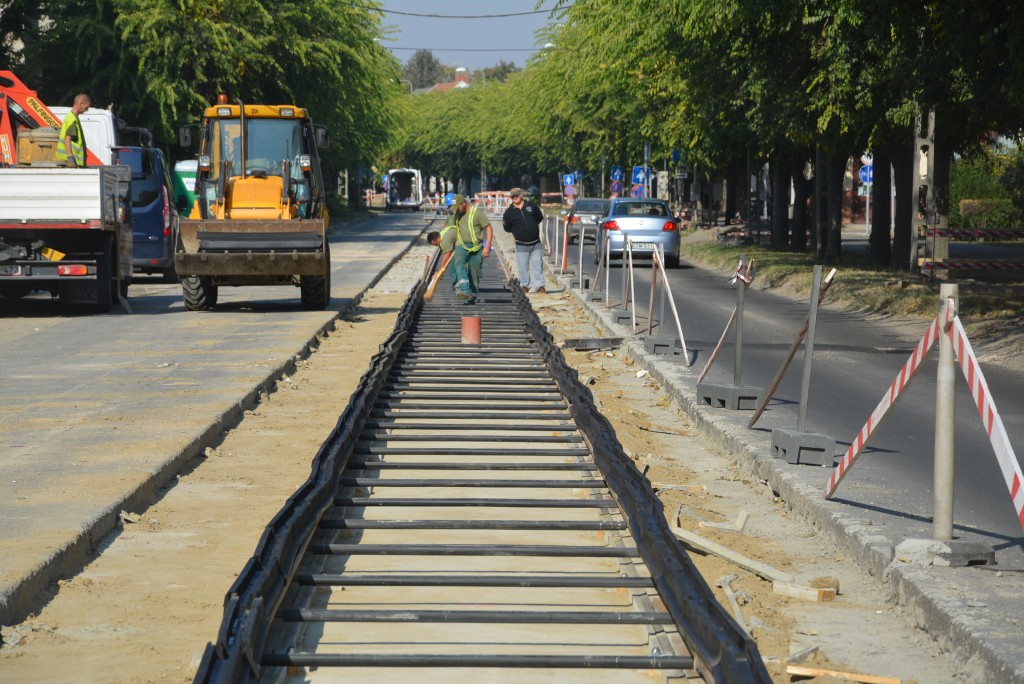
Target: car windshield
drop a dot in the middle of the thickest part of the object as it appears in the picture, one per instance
(640, 209)
(269, 143)
(590, 206)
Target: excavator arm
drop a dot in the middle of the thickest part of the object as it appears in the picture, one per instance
(21, 107)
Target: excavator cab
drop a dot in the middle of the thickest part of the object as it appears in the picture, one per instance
(260, 216)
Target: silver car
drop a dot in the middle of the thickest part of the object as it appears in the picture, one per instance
(584, 216)
(648, 223)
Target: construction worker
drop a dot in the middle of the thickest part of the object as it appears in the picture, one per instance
(72, 137)
(473, 236)
(446, 239)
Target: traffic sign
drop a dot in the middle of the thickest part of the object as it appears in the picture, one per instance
(639, 175)
(384, 181)
(617, 187)
(676, 156)
(618, 174)
(637, 192)
(568, 179)
(866, 173)
(570, 190)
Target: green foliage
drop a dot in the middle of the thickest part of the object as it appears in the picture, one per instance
(159, 63)
(424, 69)
(983, 176)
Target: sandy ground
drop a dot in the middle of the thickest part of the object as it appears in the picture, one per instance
(146, 605)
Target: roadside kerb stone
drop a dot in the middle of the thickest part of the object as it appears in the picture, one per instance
(978, 643)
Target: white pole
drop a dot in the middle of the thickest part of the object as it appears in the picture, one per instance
(945, 413)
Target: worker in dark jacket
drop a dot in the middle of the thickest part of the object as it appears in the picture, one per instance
(523, 219)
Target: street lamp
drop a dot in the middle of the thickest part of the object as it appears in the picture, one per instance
(407, 82)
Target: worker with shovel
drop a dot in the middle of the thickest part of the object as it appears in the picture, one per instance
(473, 236)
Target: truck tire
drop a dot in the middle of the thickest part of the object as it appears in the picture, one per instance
(316, 290)
(106, 274)
(199, 293)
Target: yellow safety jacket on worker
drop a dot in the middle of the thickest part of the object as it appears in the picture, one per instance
(475, 245)
(73, 127)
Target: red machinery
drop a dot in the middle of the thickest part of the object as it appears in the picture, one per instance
(20, 108)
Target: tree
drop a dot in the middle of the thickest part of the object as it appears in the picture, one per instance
(423, 69)
(18, 19)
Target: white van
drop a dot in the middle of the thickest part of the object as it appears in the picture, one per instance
(100, 128)
(405, 189)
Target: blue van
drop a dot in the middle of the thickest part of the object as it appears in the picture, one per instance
(154, 216)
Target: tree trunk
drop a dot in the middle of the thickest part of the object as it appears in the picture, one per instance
(902, 157)
(733, 198)
(879, 242)
(780, 199)
(834, 184)
(802, 191)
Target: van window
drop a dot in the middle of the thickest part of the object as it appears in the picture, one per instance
(146, 182)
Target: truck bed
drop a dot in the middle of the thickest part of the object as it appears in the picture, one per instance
(29, 194)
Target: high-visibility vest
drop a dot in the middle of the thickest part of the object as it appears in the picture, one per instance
(474, 246)
(73, 126)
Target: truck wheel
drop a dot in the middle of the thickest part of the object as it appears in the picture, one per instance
(106, 285)
(316, 290)
(199, 293)
(671, 261)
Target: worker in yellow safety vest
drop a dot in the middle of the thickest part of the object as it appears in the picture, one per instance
(473, 236)
(72, 137)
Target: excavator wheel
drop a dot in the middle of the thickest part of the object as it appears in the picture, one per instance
(199, 293)
(316, 290)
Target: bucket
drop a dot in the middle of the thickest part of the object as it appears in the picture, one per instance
(470, 330)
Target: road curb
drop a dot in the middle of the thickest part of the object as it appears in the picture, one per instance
(18, 598)
(922, 594)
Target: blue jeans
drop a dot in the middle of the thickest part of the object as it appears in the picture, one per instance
(531, 268)
(468, 266)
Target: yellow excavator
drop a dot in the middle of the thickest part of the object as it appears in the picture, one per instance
(259, 216)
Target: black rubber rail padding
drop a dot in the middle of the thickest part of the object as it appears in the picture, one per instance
(502, 617)
(586, 662)
(455, 482)
(529, 581)
(430, 465)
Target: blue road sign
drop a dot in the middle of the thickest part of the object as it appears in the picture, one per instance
(617, 187)
(578, 174)
(867, 173)
(676, 156)
(384, 181)
(570, 190)
(618, 174)
(639, 175)
(637, 192)
(568, 179)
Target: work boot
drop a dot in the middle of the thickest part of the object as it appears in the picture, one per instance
(464, 295)
(526, 288)
(541, 290)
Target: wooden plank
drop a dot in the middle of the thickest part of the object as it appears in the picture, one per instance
(707, 546)
(804, 671)
(802, 592)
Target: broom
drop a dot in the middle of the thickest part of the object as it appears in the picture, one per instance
(429, 294)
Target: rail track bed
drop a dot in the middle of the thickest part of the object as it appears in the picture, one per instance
(472, 517)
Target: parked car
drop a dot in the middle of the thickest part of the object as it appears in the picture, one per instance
(648, 222)
(154, 217)
(585, 214)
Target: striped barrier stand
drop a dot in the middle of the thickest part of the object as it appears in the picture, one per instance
(975, 233)
(961, 265)
(892, 396)
(989, 416)
(947, 322)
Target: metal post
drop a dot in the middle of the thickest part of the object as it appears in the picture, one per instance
(661, 307)
(945, 410)
(812, 319)
(737, 371)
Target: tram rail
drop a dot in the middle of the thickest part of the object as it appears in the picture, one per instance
(473, 509)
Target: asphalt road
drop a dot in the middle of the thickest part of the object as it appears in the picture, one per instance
(98, 411)
(856, 359)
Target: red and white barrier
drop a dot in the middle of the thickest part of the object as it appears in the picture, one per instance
(975, 233)
(959, 265)
(892, 396)
(947, 322)
(989, 416)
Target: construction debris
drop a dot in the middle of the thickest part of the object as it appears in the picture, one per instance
(802, 592)
(741, 521)
(803, 671)
(760, 569)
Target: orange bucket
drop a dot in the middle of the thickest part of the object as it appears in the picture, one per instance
(470, 330)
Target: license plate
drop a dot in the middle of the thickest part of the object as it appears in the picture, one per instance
(646, 246)
(10, 270)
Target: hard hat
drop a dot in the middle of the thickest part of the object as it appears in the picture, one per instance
(449, 198)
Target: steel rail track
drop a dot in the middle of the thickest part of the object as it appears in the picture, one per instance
(473, 510)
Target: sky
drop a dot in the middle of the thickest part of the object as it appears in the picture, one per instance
(464, 42)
